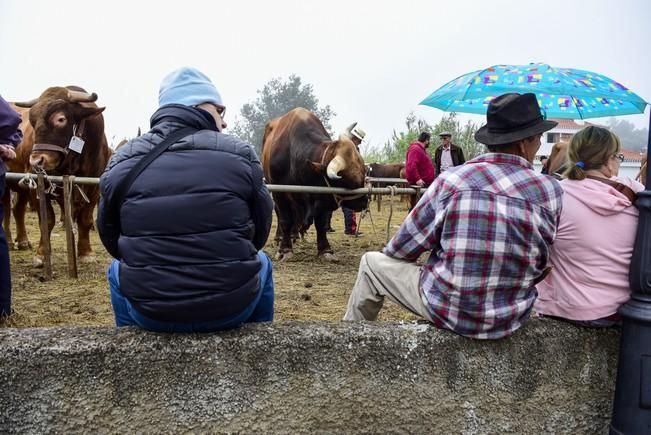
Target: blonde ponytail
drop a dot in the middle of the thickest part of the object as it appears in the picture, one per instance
(590, 148)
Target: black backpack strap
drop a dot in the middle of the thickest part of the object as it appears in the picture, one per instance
(124, 185)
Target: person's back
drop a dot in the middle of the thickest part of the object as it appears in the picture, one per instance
(500, 217)
(191, 224)
(596, 234)
(10, 137)
(487, 226)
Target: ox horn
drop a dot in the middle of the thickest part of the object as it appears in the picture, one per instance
(335, 166)
(27, 104)
(81, 97)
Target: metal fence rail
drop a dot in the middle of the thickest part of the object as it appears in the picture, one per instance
(13, 176)
(69, 181)
(387, 180)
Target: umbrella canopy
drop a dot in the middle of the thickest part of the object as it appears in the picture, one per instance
(562, 92)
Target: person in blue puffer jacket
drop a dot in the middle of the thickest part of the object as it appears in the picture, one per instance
(188, 243)
(10, 137)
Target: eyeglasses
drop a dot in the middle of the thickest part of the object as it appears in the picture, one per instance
(221, 110)
(619, 157)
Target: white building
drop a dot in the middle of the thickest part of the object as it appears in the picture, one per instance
(563, 132)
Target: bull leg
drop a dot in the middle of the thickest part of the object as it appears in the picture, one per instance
(322, 243)
(84, 224)
(6, 221)
(40, 252)
(299, 227)
(279, 232)
(22, 199)
(285, 223)
(62, 214)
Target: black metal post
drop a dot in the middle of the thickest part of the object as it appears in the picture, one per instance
(632, 406)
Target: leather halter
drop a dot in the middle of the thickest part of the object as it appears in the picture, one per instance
(77, 130)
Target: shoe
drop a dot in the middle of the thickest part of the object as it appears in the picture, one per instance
(350, 233)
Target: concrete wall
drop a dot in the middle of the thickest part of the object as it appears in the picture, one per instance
(290, 377)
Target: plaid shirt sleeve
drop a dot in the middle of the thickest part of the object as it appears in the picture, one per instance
(417, 234)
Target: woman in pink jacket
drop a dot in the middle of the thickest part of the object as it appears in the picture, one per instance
(596, 233)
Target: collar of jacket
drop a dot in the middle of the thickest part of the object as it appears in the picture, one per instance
(186, 115)
(502, 159)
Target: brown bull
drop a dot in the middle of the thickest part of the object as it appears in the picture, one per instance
(56, 116)
(379, 170)
(22, 193)
(297, 150)
(382, 170)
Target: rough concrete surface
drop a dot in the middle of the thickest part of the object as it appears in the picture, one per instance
(289, 377)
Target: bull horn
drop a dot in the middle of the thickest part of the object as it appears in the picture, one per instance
(335, 166)
(81, 97)
(27, 104)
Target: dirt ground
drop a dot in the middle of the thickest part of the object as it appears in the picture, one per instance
(307, 287)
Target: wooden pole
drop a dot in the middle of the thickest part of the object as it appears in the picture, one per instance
(45, 230)
(67, 222)
(378, 198)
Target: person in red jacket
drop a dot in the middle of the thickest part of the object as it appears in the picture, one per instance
(419, 168)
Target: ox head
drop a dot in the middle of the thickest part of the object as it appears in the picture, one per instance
(57, 115)
(343, 166)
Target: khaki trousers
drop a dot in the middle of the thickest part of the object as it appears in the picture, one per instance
(380, 276)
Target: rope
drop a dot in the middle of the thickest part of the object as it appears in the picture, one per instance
(367, 211)
(27, 182)
(81, 192)
(49, 189)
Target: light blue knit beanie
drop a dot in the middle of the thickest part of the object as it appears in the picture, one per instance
(188, 86)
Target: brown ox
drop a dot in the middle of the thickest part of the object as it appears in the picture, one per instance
(379, 170)
(297, 150)
(56, 116)
(22, 193)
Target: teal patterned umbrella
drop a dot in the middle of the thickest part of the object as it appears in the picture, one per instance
(562, 92)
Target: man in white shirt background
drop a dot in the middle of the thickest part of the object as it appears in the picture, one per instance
(447, 154)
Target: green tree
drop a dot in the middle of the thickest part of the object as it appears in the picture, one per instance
(276, 98)
(395, 149)
(632, 138)
(462, 135)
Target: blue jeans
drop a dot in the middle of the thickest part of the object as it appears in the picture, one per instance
(5, 267)
(260, 310)
(350, 222)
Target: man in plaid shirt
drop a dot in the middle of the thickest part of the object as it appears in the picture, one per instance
(488, 225)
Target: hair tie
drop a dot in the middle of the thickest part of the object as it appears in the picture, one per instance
(580, 164)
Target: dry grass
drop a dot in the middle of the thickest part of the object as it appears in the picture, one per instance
(307, 287)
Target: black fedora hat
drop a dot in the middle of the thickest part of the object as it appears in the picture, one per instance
(512, 117)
